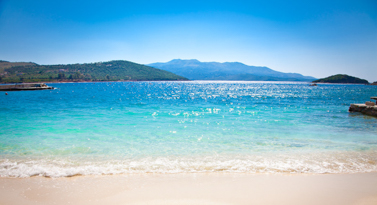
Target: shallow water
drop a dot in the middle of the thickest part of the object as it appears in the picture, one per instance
(199, 126)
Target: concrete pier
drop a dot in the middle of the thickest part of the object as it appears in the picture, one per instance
(25, 86)
(369, 108)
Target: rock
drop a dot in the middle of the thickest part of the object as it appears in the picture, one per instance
(365, 109)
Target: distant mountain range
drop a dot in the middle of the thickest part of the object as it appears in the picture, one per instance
(16, 72)
(196, 70)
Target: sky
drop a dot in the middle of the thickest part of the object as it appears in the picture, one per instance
(316, 38)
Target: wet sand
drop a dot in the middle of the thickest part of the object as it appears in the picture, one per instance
(200, 189)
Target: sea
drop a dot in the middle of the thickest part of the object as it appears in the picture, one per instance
(112, 128)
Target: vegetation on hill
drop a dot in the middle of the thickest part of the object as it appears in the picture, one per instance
(7, 64)
(374, 83)
(101, 71)
(341, 78)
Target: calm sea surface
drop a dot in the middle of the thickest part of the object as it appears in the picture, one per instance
(182, 127)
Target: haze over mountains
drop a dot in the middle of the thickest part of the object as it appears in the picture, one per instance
(196, 70)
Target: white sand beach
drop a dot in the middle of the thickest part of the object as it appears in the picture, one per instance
(198, 189)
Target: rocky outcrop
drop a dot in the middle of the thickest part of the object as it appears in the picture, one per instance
(370, 109)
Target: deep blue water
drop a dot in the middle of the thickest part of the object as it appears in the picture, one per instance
(200, 126)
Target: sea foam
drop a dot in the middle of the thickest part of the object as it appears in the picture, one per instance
(335, 163)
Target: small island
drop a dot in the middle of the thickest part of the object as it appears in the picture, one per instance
(342, 78)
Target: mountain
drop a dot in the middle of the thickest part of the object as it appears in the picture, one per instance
(341, 78)
(196, 70)
(102, 71)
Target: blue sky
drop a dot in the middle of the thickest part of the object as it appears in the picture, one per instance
(316, 38)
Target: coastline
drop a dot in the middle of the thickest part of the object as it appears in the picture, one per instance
(96, 81)
(213, 188)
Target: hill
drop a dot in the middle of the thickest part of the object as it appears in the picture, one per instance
(7, 64)
(102, 71)
(341, 78)
(196, 70)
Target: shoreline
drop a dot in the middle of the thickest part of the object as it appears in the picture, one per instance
(315, 162)
(172, 174)
(193, 188)
(96, 81)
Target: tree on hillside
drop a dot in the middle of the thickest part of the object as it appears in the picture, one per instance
(77, 75)
(61, 76)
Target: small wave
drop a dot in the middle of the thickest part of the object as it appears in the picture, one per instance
(293, 164)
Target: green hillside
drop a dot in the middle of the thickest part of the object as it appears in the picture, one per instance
(102, 71)
(341, 78)
(6, 64)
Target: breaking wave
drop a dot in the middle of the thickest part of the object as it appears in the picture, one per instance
(319, 163)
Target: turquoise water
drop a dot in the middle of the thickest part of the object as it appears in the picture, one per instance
(181, 127)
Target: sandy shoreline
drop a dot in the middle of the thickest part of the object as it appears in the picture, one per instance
(221, 189)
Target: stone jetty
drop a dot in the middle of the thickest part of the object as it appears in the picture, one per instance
(25, 86)
(368, 108)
